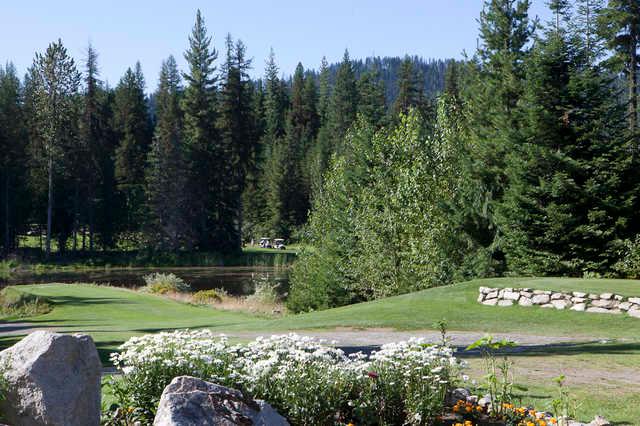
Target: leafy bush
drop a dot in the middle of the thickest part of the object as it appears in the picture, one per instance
(307, 381)
(629, 263)
(206, 297)
(382, 225)
(16, 303)
(265, 293)
(160, 283)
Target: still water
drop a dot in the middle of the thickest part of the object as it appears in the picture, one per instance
(235, 280)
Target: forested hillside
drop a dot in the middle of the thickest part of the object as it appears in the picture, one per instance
(389, 71)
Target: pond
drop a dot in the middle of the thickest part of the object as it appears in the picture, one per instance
(235, 280)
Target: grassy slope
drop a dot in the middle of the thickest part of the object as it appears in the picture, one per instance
(115, 314)
(111, 315)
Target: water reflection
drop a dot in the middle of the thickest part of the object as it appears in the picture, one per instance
(235, 280)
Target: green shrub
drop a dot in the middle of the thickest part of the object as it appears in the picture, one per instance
(265, 293)
(206, 297)
(18, 304)
(629, 263)
(159, 283)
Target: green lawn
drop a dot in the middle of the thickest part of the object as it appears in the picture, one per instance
(111, 315)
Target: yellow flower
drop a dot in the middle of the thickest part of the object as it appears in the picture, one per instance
(542, 423)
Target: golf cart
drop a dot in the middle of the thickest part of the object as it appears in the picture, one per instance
(265, 243)
(278, 243)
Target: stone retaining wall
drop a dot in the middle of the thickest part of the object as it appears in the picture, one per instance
(606, 303)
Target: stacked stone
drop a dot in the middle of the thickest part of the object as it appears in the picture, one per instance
(607, 303)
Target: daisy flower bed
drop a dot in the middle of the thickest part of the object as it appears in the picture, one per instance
(308, 381)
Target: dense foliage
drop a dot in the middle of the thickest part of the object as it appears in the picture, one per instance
(529, 166)
(208, 160)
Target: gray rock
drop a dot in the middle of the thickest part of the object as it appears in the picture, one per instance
(606, 296)
(599, 421)
(526, 294)
(505, 303)
(603, 303)
(484, 401)
(560, 304)
(603, 310)
(480, 297)
(54, 380)
(578, 299)
(547, 305)
(579, 307)
(579, 294)
(525, 301)
(492, 295)
(557, 296)
(634, 312)
(188, 401)
(511, 295)
(490, 302)
(625, 306)
(540, 299)
(484, 290)
(635, 300)
(594, 296)
(618, 297)
(458, 394)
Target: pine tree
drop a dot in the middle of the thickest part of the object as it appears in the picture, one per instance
(133, 131)
(570, 195)
(92, 161)
(409, 89)
(288, 194)
(321, 151)
(202, 142)
(275, 101)
(13, 141)
(169, 221)
(343, 104)
(238, 142)
(55, 81)
(491, 89)
(371, 101)
(619, 23)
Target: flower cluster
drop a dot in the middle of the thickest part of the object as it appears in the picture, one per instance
(469, 413)
(308, 380)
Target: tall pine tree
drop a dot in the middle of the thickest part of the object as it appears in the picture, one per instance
(169, 226)
(203, 151)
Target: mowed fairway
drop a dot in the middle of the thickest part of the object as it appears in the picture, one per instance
(602, 372)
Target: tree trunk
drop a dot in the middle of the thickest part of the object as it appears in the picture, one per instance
(7, 237)
(633, 81)
(76, 201)
(49, 207)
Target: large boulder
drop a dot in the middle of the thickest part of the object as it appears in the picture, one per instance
(188, 401)
(53, 380)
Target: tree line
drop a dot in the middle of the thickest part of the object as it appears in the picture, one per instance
(529, 166)
(210, 159)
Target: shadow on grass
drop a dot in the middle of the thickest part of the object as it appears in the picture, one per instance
(79, 301)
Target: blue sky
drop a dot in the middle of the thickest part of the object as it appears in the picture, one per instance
(150, 30)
